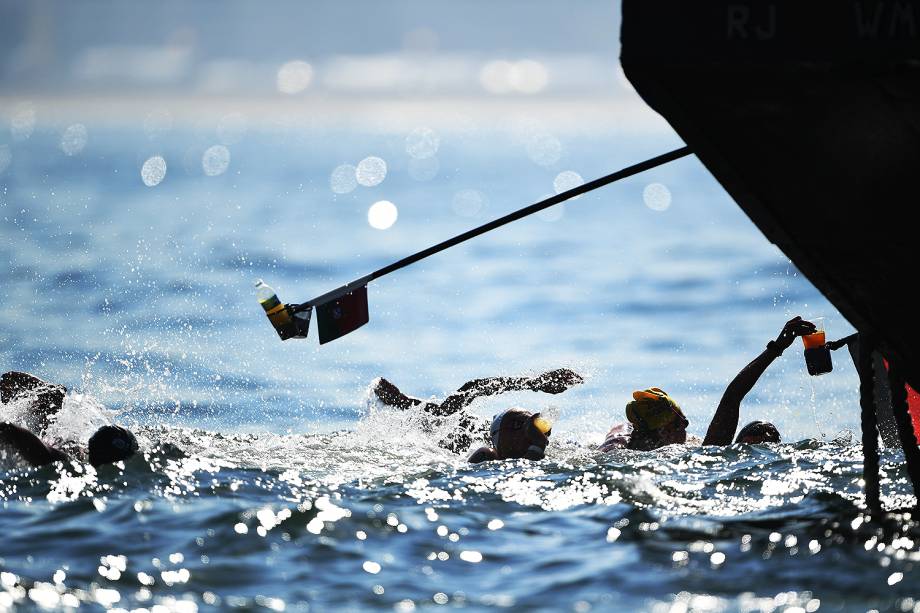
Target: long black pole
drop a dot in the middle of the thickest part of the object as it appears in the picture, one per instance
(869, 423)
(501, 221)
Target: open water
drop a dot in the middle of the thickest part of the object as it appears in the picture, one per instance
(269, 481)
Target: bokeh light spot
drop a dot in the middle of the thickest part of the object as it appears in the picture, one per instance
(74, 138)
(503, 77)
(468, 202)
(215, 160)
(422, 143)
(371, 171)
(294, 77)
(342, 180)
(382, 214)
(153, 171)
(543, 148)
(657, 196)
(567, 180)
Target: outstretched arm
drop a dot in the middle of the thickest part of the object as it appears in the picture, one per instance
(29, 446)
(552, 382)
(725, 421)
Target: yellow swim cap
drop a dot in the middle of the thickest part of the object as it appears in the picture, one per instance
(652, 409)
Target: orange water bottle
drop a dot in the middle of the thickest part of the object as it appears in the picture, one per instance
(817, 353)
(277, 312)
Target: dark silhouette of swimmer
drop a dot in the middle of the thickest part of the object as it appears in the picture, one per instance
(656, 420)
(108, 445)
(514, 433)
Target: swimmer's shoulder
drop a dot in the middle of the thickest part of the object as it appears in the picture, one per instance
(483, 454)
(617, 437)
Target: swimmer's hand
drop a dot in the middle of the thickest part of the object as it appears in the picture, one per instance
(793, 328)
(555, 381)
(390, 395)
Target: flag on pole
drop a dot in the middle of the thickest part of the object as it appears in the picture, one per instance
(344, 310)
(342, 315)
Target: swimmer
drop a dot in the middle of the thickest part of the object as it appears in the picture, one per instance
(656, 420)
(514, 433)
(108, 445)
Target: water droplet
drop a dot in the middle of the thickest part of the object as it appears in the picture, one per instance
(231, 128)
(424, 169)
(294, 77)
(567, 180)
(382, 214)
(342, 180)
(468, 202)
(215, 160)
(153, 171)
(371, 171)
(657, 196)
(422, 143)
(371, 567)
(74, 138)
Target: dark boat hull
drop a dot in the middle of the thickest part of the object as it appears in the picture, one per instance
(808, 113)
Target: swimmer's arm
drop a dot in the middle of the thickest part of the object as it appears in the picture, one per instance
(44, 399)
(725, 421)
(552, 382)
(390, 395)
(471, 390)
(29, 446)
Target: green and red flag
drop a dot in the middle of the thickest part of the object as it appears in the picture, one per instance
(342, 315)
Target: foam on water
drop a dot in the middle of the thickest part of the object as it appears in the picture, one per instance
(391, 509)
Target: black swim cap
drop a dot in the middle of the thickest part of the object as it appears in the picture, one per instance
(514, 435)
(111, 444)
(763, 431)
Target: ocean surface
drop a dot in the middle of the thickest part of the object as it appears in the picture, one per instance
(270, 480)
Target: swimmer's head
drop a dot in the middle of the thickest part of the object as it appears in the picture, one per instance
(758, 432)
(111, 444)
(656, 419)
(517, 433)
